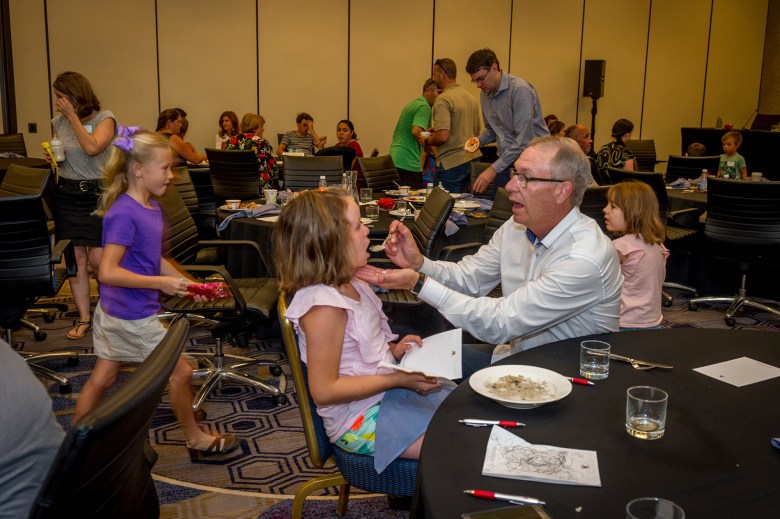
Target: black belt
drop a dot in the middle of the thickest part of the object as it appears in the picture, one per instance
(80, 185)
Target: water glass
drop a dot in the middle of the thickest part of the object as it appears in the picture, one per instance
(270, 195)
(400, 207)
(646, 412)
(594, 359)
(366, 195)
(372, 211)
(653, 508)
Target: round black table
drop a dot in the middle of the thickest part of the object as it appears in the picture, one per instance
(685, 199)
(715, 459)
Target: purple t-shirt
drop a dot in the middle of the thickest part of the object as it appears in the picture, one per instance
(140, 229)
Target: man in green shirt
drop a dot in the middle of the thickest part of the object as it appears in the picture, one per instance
(405, 149)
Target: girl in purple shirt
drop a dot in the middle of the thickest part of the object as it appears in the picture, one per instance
(132, 272)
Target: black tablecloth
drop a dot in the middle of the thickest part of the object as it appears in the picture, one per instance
(682, 199)
(715, 459)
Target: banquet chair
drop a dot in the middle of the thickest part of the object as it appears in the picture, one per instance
(428, 233)
(644, 151)
(380, 172)
(678, 225)
(234, 174)
(30, 268)
(593, 203)
(304, 172)
(357, 470)
(13, 143)
(103, 466)
(477, 168)
(498, 215)
(374, 153)
(743, 222)
(237, 317)
(207, 207)
(347, 154)
(182, 180)
(690, 167)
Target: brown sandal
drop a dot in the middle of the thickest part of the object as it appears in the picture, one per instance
(81, 326)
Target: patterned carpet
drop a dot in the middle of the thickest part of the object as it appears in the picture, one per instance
(260, 478)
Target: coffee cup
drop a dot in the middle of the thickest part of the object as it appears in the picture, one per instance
(756, 176)
(232, 204)
(270, 196)
(403, 190)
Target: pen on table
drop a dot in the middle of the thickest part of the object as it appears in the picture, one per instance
(581, 381)
(495, 496)
(474, 422)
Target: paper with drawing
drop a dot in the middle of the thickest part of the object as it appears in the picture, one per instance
(439, 356)
(509, 456)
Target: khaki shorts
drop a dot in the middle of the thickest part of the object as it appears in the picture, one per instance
(124, 340)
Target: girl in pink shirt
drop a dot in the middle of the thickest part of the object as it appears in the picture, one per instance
(632, 211)
(319, 243)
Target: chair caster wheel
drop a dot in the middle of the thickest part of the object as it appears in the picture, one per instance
(65, 389)
(667, 303)
(40, 336)
(73, 361)
(49, 317)
(276, 371)
(693, 307)
(280, 399)
(200, 415)
(730, 321)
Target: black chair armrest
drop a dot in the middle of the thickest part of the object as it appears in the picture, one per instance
(686, 218)
(450, 252)
(240, 304)
(65, 248)
(224, 244)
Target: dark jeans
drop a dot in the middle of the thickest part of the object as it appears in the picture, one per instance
(476, 357)
(412, 179)
(454, 180)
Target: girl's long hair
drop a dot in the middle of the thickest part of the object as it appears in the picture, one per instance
(639, 204)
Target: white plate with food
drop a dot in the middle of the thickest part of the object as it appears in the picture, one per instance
(467, 204)
(399, 214)
(520, 387)
(415, 199)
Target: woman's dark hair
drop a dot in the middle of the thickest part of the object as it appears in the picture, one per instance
(79, 92)
(350, 125)
(233, 119)
(556, 126)
(620, 128)
(170, 114)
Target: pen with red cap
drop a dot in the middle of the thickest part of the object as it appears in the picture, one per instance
(474, 422)
(495, 496)
(581, 381)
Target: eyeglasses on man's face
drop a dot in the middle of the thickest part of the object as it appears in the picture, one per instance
(523, 180)
(481, 79)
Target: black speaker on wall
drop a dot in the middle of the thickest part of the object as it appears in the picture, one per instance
(593, 84)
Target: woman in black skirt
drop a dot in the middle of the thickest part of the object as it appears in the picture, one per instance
(85, 131)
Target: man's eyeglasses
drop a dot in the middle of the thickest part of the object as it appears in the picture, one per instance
(523, 180)
(481, 79)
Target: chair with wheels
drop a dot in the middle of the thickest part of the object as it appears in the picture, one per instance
(644, 151)
(593, 203)
(236, 318)
(357, 470)
(678, 225)
(207, 206)
(743, 222)
(690, 167)
(305, 172)
(380, 173)
(103, 467)
(30, 268)
(347, 154)
(13, 143)
(234, 174)
(499, 214)
(477, 168)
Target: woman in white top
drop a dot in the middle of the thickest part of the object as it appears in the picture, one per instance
(228, 127)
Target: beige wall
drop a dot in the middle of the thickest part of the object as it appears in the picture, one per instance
(367, 58)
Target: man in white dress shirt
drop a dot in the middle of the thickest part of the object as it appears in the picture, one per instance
(559, 272)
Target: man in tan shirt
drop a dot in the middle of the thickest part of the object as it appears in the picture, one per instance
(455, 119)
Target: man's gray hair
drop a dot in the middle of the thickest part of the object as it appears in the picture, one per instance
(568, 163)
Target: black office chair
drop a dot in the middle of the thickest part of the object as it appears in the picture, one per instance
(679, 225)
(207, 204)
(305, 172)
(380, 172)
(428, 233)
(690, 167)
(237, 317)
(477, 168)
(13, 143)
(234, 174)
(593, 203)
(398, 478)
(743, 220)
(347, 154)
(374, 152)
(499, 214)
(103, 467)
(644, 151)
(29, 269)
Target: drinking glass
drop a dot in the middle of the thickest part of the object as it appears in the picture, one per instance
(366, 194)
(594, 359)
(653, 508)
(372, 211)
(400, 207)
(646, 412)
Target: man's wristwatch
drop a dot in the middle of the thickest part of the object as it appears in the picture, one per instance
(419, 285)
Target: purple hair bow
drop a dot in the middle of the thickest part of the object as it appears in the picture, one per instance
(123, 134)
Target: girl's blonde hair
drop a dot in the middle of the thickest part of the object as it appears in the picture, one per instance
(117, 167)
(639, 204)
(311, 241)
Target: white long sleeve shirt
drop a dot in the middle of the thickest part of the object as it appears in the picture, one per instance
(566, 285)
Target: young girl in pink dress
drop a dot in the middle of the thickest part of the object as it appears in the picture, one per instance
(632, 212)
